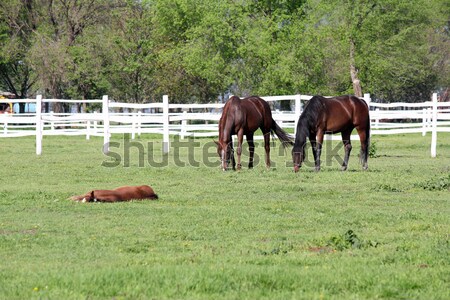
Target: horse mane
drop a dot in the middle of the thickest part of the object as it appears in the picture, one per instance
(223, 118)
(308, 119)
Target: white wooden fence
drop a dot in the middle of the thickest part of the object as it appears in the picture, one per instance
(201, 120)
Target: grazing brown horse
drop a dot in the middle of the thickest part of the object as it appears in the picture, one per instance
(125, 193)
(331, 115)
(243, 117)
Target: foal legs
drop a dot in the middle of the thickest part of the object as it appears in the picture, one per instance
(347, 148)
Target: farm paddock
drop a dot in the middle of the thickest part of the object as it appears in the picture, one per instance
(253, 234)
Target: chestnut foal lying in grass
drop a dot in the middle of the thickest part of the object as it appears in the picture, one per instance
(125, 193)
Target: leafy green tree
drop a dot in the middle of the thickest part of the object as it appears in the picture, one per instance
(196, 50)
(384, 44)
(17, 22)
(265, 36)
(196, 46)
(132, 52)
(59, 55)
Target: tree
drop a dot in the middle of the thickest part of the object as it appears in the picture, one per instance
(387, 44)
(56, 40)
(132, 52)
(195, 45)
(17, 21)
(261, 30)
(196, 50)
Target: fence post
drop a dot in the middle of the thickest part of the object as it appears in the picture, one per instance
(95, 122)
(424, 121)
(183, 124)
(52, 122)
(139, 123)
(166, 145)
(377, 119)
(434, 125)
(133, 125)
(297, 110)
(105, 111)
(38, 124)
(367, 99)
(88, 130)
(5, 124)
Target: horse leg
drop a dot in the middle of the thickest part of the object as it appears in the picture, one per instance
(363, 138)
(251, 146)
(312, 139)
(240, 136)
(347, 147)
(319, 143)
(267, 147)
(233, 161)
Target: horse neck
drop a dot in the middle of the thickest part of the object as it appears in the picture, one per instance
(225, 124)
(302, 134)
(225, 131)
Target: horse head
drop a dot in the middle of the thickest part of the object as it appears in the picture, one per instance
(224, 152)
(89, 197)
(298, 156)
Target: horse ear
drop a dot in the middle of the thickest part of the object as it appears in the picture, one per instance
(217, 143)
(92, 196)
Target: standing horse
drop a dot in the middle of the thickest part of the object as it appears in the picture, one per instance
(331, 115)
(245, 116)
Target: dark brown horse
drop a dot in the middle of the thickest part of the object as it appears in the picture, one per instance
(331, 115)
(243, 117)
(125, 193)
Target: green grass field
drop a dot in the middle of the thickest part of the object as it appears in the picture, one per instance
(254, 234)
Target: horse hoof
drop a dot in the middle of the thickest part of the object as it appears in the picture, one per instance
(317, 169)
(343, 168)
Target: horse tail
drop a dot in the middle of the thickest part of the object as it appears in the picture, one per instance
(365, 156)
(367, 136)
(285, 138)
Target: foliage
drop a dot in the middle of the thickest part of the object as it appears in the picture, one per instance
(373, 149)
(349, 240)
(197, 50)
(436, 184)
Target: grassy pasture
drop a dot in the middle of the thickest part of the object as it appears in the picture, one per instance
(254, 234)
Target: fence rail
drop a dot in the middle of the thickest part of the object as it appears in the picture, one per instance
(201, 120)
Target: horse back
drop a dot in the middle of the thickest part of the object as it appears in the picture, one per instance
(135, 192)
(246, 114)
(257, 112)
(344, 112)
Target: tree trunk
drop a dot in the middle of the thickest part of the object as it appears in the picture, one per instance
(354, 72)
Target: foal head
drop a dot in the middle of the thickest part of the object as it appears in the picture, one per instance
(89, 197)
